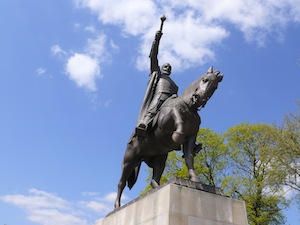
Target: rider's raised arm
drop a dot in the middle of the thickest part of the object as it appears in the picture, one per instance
(154, 52)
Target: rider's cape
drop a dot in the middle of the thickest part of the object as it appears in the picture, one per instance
(150, 91)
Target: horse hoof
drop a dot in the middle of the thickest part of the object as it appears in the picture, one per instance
(117, 205)
(193, 176)
(154, 184)
(195, 179)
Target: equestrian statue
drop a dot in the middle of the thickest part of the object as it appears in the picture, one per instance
(166, 122)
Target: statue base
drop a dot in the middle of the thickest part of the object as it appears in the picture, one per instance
(180, 202)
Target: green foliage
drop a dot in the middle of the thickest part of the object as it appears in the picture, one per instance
(288, 154)
(252, 149)
(175, 167)
(211, 161)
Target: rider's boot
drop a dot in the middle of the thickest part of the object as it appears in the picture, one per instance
(141, 129)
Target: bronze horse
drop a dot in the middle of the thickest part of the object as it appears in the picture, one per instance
(176, 124)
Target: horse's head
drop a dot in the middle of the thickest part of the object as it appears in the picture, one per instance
(203, 88)
(207, 84)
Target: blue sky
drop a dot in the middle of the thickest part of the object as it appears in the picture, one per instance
(74, 72)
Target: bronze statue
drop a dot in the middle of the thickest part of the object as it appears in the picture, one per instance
(175, 124)
(160, 87)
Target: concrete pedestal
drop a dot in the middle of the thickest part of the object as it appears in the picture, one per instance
(180, 202)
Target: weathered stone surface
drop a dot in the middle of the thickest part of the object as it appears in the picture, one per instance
(180, 202)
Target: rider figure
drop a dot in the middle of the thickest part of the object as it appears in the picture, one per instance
(160, 88)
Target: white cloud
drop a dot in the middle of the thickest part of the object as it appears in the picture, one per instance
(41, 71)
(90, 194)
(91, 29)
(57, 50)
(103, 205)
(47, 208)
(107, 103)
(135, 16)
(194, 27)
(96, 47)
(37, 199)
(186, 42)
(77, 26)
(54, 217)
(114, 46)
(84, 67)
(83, 70)
(98, 207)
(111, 197)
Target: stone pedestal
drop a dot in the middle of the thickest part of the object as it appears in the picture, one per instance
(180, 202)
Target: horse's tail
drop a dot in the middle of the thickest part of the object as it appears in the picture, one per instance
(133, 176)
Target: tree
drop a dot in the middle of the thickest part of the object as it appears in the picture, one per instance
(288, 139)
(211, 161)
(251, 149)
(287, 166)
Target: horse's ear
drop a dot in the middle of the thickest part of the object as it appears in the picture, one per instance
(210, 70)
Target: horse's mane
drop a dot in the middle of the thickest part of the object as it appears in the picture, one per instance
(189, 91)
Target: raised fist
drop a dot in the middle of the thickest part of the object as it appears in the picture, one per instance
(158, 35)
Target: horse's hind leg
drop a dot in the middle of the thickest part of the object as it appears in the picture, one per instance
(129, 163)
(158, 164)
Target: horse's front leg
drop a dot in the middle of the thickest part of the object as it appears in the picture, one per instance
(188, 150)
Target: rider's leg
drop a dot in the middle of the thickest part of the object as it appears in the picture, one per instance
(156, 102)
